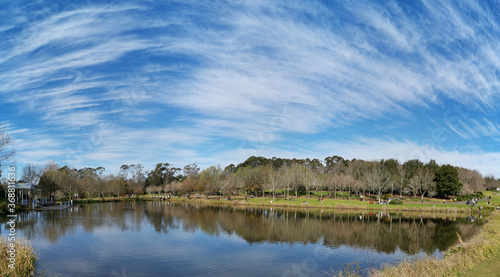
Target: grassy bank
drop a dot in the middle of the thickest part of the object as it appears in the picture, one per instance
(336, 204)
(304, 202)
(25, 259)
(477, 257)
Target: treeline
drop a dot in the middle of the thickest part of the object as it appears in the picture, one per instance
(260, 176)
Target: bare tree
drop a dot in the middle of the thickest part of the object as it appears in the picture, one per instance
(5, 141)
(275, 179)
(138, 178)
(376, 179)
(415, 183)
(426, 177)
(230, 184)
(471, 178)
(401, 179)
(32, 173)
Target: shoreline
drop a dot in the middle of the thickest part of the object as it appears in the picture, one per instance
(339, 204)
(463, 259)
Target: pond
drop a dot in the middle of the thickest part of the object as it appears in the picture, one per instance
(167, 239)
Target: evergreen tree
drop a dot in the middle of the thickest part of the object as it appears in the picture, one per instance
(447, 183)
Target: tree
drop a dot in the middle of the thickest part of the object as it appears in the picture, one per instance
(5, 153)
(48, 180)
(391, 168)
(427, 179)
(5, 141)
(124, 170)
(415, 183)
(137, 181)
(422, 182)
(163, 174)
(230, 184)
(491, 183)
(32, 173)
(210, 180)
(275, 179)
(253, 179)
(447, 182)
(471, 179)
(87, 180)
(377, 179)
(401, 179)
(67, 180)
(191, 177)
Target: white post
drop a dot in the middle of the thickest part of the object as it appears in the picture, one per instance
(60, 205)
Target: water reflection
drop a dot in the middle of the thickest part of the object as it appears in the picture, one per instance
(382, 232)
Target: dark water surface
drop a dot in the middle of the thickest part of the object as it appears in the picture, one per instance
(165, 239)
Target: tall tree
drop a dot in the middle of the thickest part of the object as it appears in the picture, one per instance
(471, 179)
(447, 182)
(275, 179)
(32, 173)
(67, 180)
(210, 179)
(138, 178)
(5, 153)
(5, 142)
(191, 177)
(401, 179)
(377, 179)
(48, 180)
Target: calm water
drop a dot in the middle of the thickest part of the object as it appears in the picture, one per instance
(164, 239)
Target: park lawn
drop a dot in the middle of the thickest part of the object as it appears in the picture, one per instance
(488, 267)
(343, 203)
(495, 199)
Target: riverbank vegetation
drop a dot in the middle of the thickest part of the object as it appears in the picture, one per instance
(276, 178)
(465, 259)
(25, 258)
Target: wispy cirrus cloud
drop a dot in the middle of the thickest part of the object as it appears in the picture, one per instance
(197, 79)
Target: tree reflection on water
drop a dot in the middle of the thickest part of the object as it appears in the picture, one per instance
(383, 232)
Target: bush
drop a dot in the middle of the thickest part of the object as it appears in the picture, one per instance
(386, 196)
(396, 201)
(26, 260)
(461, 198)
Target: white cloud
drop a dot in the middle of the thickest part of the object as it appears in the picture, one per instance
(261, 73)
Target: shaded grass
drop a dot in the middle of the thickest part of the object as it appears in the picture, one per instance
(26, 259)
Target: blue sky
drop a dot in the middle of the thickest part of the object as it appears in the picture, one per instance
(98, 83)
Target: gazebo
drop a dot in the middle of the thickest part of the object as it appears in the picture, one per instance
(25, 193)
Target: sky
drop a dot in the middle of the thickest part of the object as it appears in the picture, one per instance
(107, 83)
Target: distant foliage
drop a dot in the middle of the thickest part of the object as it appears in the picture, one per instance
(333, 177)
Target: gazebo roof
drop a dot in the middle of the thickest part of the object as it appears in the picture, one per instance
(24, 186)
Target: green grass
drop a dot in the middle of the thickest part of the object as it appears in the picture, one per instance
(339, 203)
(495, 199)
(478, 257)
(342, 203)
(488, 267)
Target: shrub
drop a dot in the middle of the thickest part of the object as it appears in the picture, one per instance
(396, 201)
(386, 196)
(26, 260)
